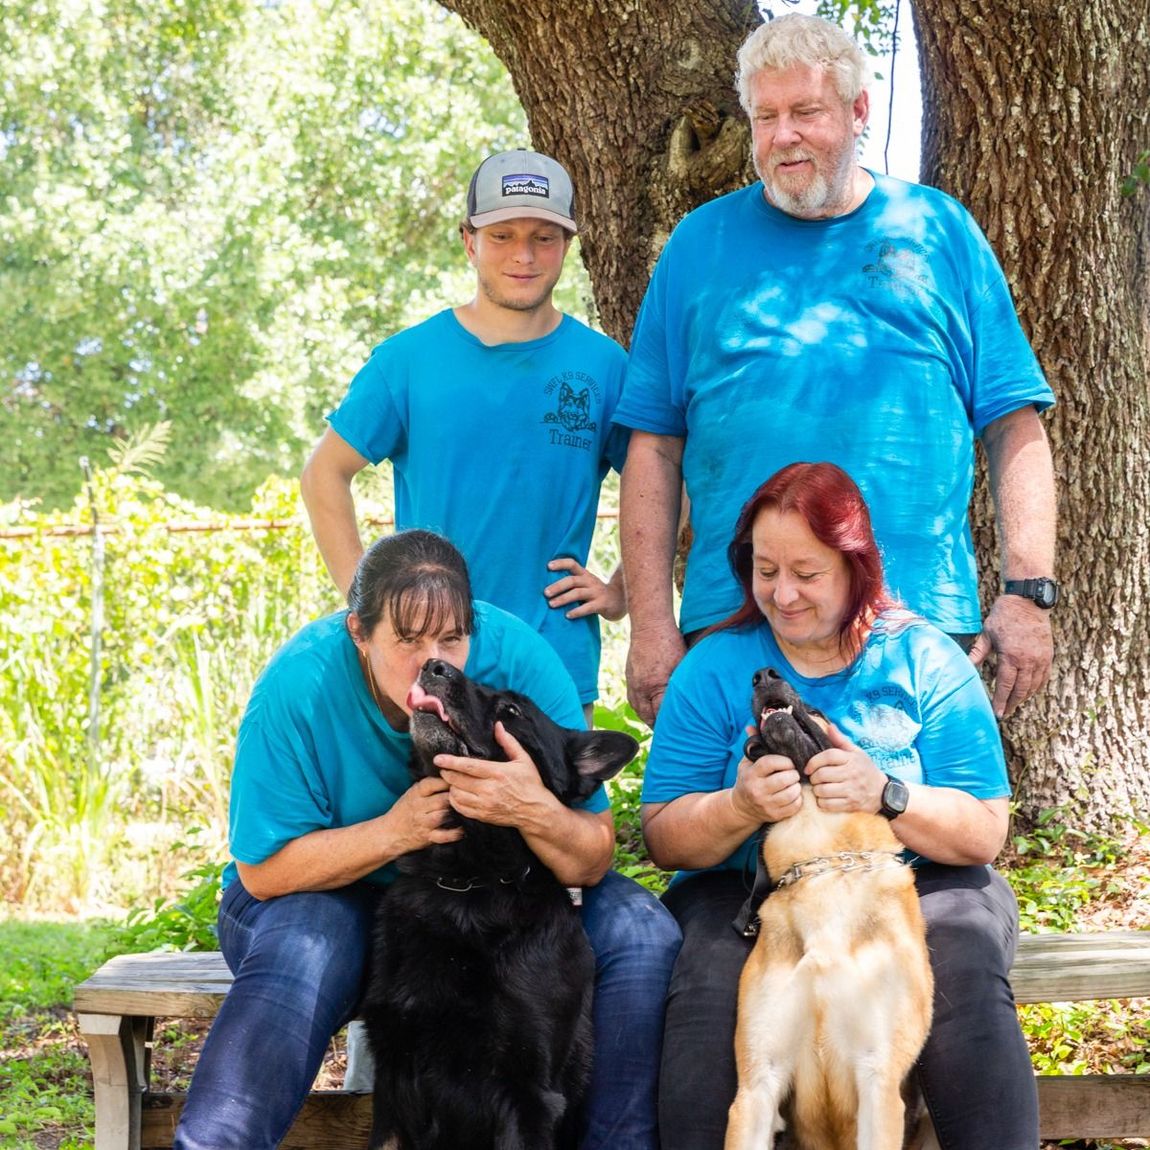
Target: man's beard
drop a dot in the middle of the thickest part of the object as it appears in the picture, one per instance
(819, 198)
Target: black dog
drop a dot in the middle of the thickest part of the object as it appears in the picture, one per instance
(478, 1005)
(786, 726)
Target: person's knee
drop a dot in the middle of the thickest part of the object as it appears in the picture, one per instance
(623, 919)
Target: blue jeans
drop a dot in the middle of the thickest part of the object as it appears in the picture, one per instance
(975, 1070)
(299, 963)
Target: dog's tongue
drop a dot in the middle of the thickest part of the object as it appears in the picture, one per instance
(419, 700)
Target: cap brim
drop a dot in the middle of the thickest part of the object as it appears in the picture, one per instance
(522, 213)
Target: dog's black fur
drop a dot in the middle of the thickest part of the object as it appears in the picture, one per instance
(786, 726)
(479, 997)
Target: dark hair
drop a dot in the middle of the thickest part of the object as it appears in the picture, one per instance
(418, 579)
(834, 509)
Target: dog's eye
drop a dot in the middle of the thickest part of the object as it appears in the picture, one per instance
(510, 711)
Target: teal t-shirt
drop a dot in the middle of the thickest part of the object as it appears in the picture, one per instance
(883, 340)
(502, 449)
(912, 700)
(314, 751)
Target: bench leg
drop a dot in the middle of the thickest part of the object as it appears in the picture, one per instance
(117, 1049)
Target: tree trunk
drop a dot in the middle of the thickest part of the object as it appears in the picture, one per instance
(1033, 113)
(637, 101)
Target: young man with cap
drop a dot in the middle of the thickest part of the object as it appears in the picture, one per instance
(496, 416)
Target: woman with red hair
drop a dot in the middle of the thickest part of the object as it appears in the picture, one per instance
(912, 737)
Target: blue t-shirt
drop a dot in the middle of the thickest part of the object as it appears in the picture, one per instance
(314, 751)
(502, 449)
(883, 340)
(912, 700)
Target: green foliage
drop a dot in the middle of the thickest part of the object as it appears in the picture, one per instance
(1059, 871)
(187, 922)
(1139, 178)
(625, 790)
(210, 211)
(126, 657)
(45, 1085)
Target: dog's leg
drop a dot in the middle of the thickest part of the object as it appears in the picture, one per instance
(881, 1124)
(774, 1017)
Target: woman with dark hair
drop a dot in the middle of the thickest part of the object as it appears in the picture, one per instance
(913, 737)
(322, 804)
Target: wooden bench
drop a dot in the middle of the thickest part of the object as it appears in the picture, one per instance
(117, 1007)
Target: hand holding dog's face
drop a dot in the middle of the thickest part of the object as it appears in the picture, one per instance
(505, 794)
(767, 789)
(416, 818)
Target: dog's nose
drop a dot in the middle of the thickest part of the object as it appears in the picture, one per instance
(436, 668)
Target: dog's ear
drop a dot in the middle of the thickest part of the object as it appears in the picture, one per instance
(597, 755)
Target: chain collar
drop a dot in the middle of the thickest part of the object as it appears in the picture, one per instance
(842, 861)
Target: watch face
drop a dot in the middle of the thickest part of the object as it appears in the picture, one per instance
(1046, 593)
(894, 797)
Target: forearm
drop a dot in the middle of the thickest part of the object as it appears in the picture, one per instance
(696, 830)
(952, 827)
(325, 486)
(321, 860)
(576, 846)
(649, 503)
(333, 523)
(1021, 474)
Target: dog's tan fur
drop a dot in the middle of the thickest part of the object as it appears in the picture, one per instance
(835, 998)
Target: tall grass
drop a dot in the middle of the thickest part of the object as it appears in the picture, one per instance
(109, 794)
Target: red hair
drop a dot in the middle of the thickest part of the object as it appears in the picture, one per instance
(833, 507)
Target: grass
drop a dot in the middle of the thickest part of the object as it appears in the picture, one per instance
(45, 1087)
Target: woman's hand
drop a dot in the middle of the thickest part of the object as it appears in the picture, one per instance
(506, 794)
(416, 818)
(767, 790)
(845, 778)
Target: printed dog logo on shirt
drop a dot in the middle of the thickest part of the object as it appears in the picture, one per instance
(574, 410)
(569, 422)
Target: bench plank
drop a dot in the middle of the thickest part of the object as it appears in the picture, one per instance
(1079, 967)
(131, 990)
(1088, 1106)
(160, 984)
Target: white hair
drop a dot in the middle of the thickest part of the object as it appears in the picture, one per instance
(797, 39)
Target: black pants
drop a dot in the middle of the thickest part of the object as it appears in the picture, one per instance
(975, 1069)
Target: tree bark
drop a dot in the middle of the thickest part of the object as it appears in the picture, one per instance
(1033, 113)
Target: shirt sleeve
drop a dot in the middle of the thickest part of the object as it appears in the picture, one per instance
(648, 402)
(1006, 372)
(371, 416)
(959, 743)
(698, 740)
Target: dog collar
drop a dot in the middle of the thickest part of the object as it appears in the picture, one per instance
(477, 882)
(840, 862)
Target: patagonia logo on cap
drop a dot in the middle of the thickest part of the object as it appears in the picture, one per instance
(524, 185)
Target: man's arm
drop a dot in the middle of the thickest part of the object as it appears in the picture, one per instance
(650, 499)
(326, 488)
(1022, 486)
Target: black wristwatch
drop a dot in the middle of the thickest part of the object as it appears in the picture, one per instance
(1044, 592)
(895, 796)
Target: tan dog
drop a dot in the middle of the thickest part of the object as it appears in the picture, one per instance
(835, 998)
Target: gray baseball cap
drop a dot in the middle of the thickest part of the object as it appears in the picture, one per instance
(517, 184)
